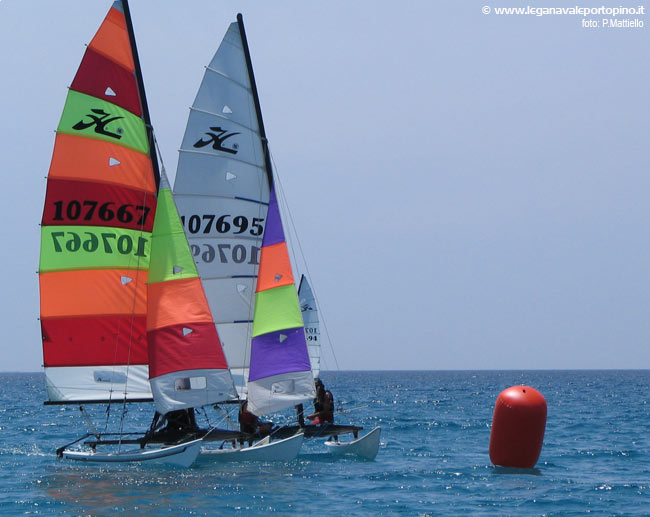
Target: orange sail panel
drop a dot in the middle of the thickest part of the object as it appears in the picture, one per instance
(275, 268)
(101, 162)
(93, 292)
(177, 302)
(112, 38)
(96, 229)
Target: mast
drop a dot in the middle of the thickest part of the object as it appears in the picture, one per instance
(143, 97)
(278, 355)
(258, 109)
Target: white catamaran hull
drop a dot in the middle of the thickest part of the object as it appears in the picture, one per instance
(367, 446)
(264, 450)
(182, 455)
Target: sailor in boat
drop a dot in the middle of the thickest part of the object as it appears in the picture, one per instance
(251, 425)
(323, 405)
(178, 425)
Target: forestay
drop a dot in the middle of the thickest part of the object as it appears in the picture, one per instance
(96, 229)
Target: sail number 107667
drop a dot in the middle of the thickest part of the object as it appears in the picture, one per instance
(90, 242)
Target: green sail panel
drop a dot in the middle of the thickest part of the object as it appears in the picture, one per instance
(173, 258)
(88, 116)
(93, 247)
(276, 309)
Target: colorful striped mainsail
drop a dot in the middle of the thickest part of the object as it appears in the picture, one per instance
(187, 367)
(96, 228)
(280, 373)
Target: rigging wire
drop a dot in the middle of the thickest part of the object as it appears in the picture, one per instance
(89, 421)
(251, 304)
(156, 150)
(285, 205)
(226, 416)
(145, 194)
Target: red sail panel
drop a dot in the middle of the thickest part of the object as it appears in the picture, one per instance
(95, 204)
(185, 347)
(103, 78)
(101, 341)
(88, 159)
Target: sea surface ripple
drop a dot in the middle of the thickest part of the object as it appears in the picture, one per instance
(433, 459)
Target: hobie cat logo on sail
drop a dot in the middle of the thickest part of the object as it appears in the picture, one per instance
(217, 139)
(100, 123)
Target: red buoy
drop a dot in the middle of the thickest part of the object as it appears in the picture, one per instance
(518, 427)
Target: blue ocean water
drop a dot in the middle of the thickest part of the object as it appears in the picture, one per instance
(433, 459)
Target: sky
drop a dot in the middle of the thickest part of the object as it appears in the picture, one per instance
(470, 190)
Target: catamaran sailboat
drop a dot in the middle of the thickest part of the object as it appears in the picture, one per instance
(123, 313)
(226, 194)
(128, 306)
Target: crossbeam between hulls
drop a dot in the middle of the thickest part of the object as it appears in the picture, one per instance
(102, 401)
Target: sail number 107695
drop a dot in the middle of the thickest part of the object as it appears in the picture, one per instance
(237, 225)
(227, 253)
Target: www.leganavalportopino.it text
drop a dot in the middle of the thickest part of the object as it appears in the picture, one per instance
(591, 17)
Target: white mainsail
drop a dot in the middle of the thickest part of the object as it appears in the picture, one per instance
(312, 325)
(223, 190)
(222, 193)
